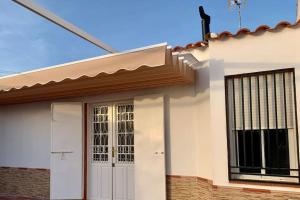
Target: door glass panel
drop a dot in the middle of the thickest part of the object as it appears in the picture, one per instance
(125, 133)
(100, 134)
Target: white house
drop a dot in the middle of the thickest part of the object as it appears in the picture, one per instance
(214, 120)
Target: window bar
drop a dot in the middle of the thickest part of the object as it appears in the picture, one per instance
(259, 126)
(268, 122)
(296, 121)
(276, 116)
(275, 98)
(243, 112)
(227, 124)
(284, 100)
(234, 122)
(251, 122)
(285, 111)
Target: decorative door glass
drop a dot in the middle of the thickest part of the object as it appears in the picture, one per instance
(125, 133)
(100, 134)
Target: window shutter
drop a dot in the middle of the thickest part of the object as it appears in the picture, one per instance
(238, 104)
(150, 173)
(66, 155)
(261, 101)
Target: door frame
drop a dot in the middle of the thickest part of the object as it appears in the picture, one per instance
(85, 153)
(86, 117)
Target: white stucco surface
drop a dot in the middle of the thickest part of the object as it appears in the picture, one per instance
(25, 135)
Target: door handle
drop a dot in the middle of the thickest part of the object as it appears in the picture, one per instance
(61, 152)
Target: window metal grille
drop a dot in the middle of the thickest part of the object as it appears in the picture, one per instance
(125, 133)
(262, 126)
(100, 134)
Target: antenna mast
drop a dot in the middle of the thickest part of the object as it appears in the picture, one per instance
(297, 10)
(237, 4)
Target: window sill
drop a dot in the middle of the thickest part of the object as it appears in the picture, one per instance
(265, 183)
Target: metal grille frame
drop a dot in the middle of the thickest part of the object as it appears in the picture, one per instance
(124, 133)
(228, 119)
(114, 152)
(100, 129)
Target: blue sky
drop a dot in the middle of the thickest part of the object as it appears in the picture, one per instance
(28, 41)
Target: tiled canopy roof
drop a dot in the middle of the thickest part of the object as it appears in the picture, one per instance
(243, 31)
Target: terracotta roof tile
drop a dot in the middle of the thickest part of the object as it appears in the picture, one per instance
(262, 28)
(243, 31)
(202, 44)
(225, 34)
(282, 24)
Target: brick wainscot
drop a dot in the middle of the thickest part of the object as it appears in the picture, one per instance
(24, 183)
(34, 184)
(191, 188)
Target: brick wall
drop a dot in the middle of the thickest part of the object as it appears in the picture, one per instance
(35, 184)
(24, 183)
(191, 188)
(251, 194)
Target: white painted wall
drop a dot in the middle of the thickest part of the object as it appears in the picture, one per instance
(189, 134)
(25, 135)
(249, 54)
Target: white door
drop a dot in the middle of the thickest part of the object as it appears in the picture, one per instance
(66, 151)
(111, 152)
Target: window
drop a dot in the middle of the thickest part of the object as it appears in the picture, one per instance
(262, 128)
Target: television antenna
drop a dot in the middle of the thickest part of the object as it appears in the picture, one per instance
(28, 4)
(297, 10)
(237, 4)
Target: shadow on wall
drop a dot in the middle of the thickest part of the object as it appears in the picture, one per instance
(219, 69)
(184, 96)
